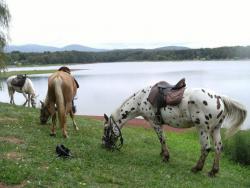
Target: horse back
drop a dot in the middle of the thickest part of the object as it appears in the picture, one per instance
(65, 82)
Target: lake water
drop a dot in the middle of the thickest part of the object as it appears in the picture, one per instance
(104, 86)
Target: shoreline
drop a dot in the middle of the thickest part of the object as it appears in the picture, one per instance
(138, 123)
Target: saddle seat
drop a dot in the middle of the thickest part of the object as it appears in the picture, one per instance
(19, 80)
(163, 93)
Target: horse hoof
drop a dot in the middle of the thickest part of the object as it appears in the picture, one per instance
(195, 170)
(165, 159)
(65, 136)
(52, 134)
(211, 174)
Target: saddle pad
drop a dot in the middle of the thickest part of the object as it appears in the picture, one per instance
(18, 81)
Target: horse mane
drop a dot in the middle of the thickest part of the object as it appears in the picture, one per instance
(64, 69)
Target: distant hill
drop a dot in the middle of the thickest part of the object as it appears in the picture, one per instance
(42, 48)
(170, 48)
(74, 47)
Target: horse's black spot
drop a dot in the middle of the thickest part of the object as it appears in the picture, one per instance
(132, 109)
(139, 104)
(143, 91)
(169, 108)
(207, 137)
(207, 127)
(218, 116)
(210, 115)
(149, 108)
(145, 102)
(207, 118)
(134, 94)
(211, 96)
(218, 102)
(197, 112)
(221, 120)
(197, 121)
(120, 121)
(203, 91)
(121, 110)
(208, 150)
(142, 108)
(201, 133)
(191, 102)
(206, 122)
(205, 103)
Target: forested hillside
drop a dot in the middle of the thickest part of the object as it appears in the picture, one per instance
(68, 57)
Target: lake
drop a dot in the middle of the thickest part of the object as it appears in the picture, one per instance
(104, 86)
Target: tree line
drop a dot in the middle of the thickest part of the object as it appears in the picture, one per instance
(72, 57)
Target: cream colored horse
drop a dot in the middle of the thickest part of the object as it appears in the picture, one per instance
(62, 89)
(27, 90)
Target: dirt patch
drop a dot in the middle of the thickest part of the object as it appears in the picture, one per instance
(13, 156)
(2, 185)
(8, 119)
(11, 139)
(140, 123)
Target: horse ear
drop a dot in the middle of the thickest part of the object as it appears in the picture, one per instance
(106, 117)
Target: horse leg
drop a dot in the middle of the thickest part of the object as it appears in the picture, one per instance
(74, 123)
(205, 148)
(160, 134)
(215, 134)
(24, 104)
(28, 100)
(11, 94)
(53, 127)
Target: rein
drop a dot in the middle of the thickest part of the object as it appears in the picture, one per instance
(111, 142)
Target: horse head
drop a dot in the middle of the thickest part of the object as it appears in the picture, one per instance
(111, 134)
(44, 113)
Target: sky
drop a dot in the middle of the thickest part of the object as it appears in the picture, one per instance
(130, 23)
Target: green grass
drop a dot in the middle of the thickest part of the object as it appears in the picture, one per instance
(28, 72)
(138, 164)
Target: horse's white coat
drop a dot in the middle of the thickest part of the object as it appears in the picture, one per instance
(27, 90)
(201, 108)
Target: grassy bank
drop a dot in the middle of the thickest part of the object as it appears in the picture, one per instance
(28, 72)
(27, 157)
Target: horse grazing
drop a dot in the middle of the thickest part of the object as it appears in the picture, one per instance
(60, 95)
(21, 84)
(203, 109)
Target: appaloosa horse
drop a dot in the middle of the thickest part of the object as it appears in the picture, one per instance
(26, 88)
(204, 109)
(62, 89)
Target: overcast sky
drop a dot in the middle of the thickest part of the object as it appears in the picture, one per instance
(130, 23)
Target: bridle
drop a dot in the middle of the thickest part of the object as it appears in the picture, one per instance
(110, 137)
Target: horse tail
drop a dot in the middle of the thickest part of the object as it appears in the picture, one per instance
(59, 100)
(235, 115)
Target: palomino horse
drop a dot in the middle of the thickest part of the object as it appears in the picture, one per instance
(199, 107)
(27, 90)
(62, 89)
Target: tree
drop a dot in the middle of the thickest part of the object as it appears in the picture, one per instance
(4, 25)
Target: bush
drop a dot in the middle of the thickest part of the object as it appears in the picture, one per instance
(237, 147)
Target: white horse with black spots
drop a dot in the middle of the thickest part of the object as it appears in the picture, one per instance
(27, 90)
(204, 109)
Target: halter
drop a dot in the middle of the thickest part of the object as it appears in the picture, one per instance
(110, 141)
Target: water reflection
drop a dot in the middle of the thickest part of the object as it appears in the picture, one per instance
(104, 86)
